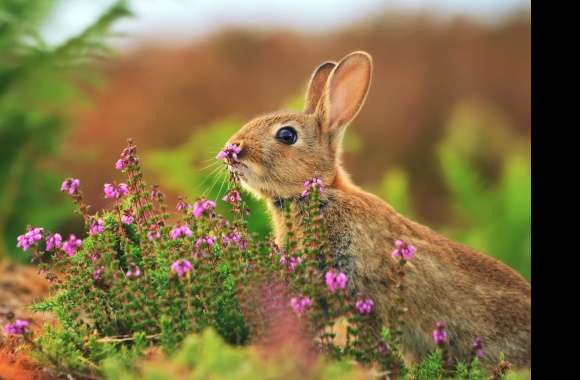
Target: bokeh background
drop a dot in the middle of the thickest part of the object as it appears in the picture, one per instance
(444, 135)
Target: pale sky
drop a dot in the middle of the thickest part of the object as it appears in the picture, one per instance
(186, 19)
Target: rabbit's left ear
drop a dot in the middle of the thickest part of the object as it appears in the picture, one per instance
(317, 85)
(346, 91)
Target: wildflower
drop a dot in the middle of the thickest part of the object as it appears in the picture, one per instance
(181, 267)
(112, 191)
(155, 193)
(335, 281)
(439, 334)
(233, 197)
(365, 306)
(383, 348)
(29, 238)
(230, 152)
(181, 205)
(154, 233)
(127, 219)
(17, 328)
(95, 256)
(403, 250)
(96, 227)
(208, 240)
(120, 164)
(71, 245)
(53, 241)
(133, 273)
(314, 183)
(71, 185)
(202, 206)
(478, 347)
(300, 304)
(292, 263)
(98, 273)
(179, 231)
(233, 237)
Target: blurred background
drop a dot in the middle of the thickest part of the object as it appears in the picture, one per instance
(444, 135)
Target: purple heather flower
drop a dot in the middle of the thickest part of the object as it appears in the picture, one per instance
(312, 184)
(181, 267)
(95, 256)
(365, 306)
(383, 348)
(179, 231)
(208, 240)
(439, 334)
(120, 164)
(96, 227)
(71, 185)
(230, 152)
(300, 304)
(127, 219)
(98, 273)
(335, 281)
(202, 206)
(112, 191)
(233, 197)
(154, 233)
(181, 205)
(403, 250)
(71, 245)
(29, 238)
(17, 328)
(133, 273)
(478, 347)
(53, 241)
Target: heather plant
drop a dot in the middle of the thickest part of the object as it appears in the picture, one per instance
(145, 278)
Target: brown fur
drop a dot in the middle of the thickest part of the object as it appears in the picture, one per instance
(474, 294)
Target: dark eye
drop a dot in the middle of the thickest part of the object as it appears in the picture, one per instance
(287, 135)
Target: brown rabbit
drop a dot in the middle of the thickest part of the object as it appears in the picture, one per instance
(474, 294)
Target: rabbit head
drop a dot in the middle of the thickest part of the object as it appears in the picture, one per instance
(280, 151)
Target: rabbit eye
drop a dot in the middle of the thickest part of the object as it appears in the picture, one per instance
(287, 135)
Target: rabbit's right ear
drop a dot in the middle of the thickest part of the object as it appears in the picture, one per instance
(317, 85)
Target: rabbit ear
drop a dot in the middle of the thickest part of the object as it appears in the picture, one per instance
(346, 90)
(317, 85)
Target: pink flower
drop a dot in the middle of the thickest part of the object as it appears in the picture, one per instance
(127, 219)
(71, 185)
(98, 273)
(181, 205)
(133, 273)
(71, 245)
(439, 334)
(230, 152)
(120, 164)
(233, 197)
(17, 328)
(179, 231)
(208, 240)
(154, 233)
(96, 227)
(181, 267)
(53, 241)
(112, 191)
(336, 281)
(365, 306)
(29, 238)
(403, 250)
(202, 206)
(314, 183)
(478, 348)
(300, 304)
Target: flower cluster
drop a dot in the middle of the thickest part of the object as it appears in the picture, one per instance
(365, 306)
(314, 183)
(181, 267)
(53, 241)
(180, 231)
(29, 238)
(292, 263)
(202, 206)
(70, 185)
(440, 334)
(133, 273)
(71, 245)
(115, 192)
(403, 250)
(478, 347)
(233, 197)
(127, 157)
(300, 304)
(205, 240)
(335, 281)
(229, 153)
(96, 227)
(19, 327)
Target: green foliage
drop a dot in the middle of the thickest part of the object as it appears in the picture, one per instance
(37, 83)
(394, 189)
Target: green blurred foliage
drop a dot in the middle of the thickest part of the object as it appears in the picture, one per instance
(206, 356)
(37, 84)
(491, 216)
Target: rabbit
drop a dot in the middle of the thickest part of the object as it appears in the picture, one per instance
(474, 294)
